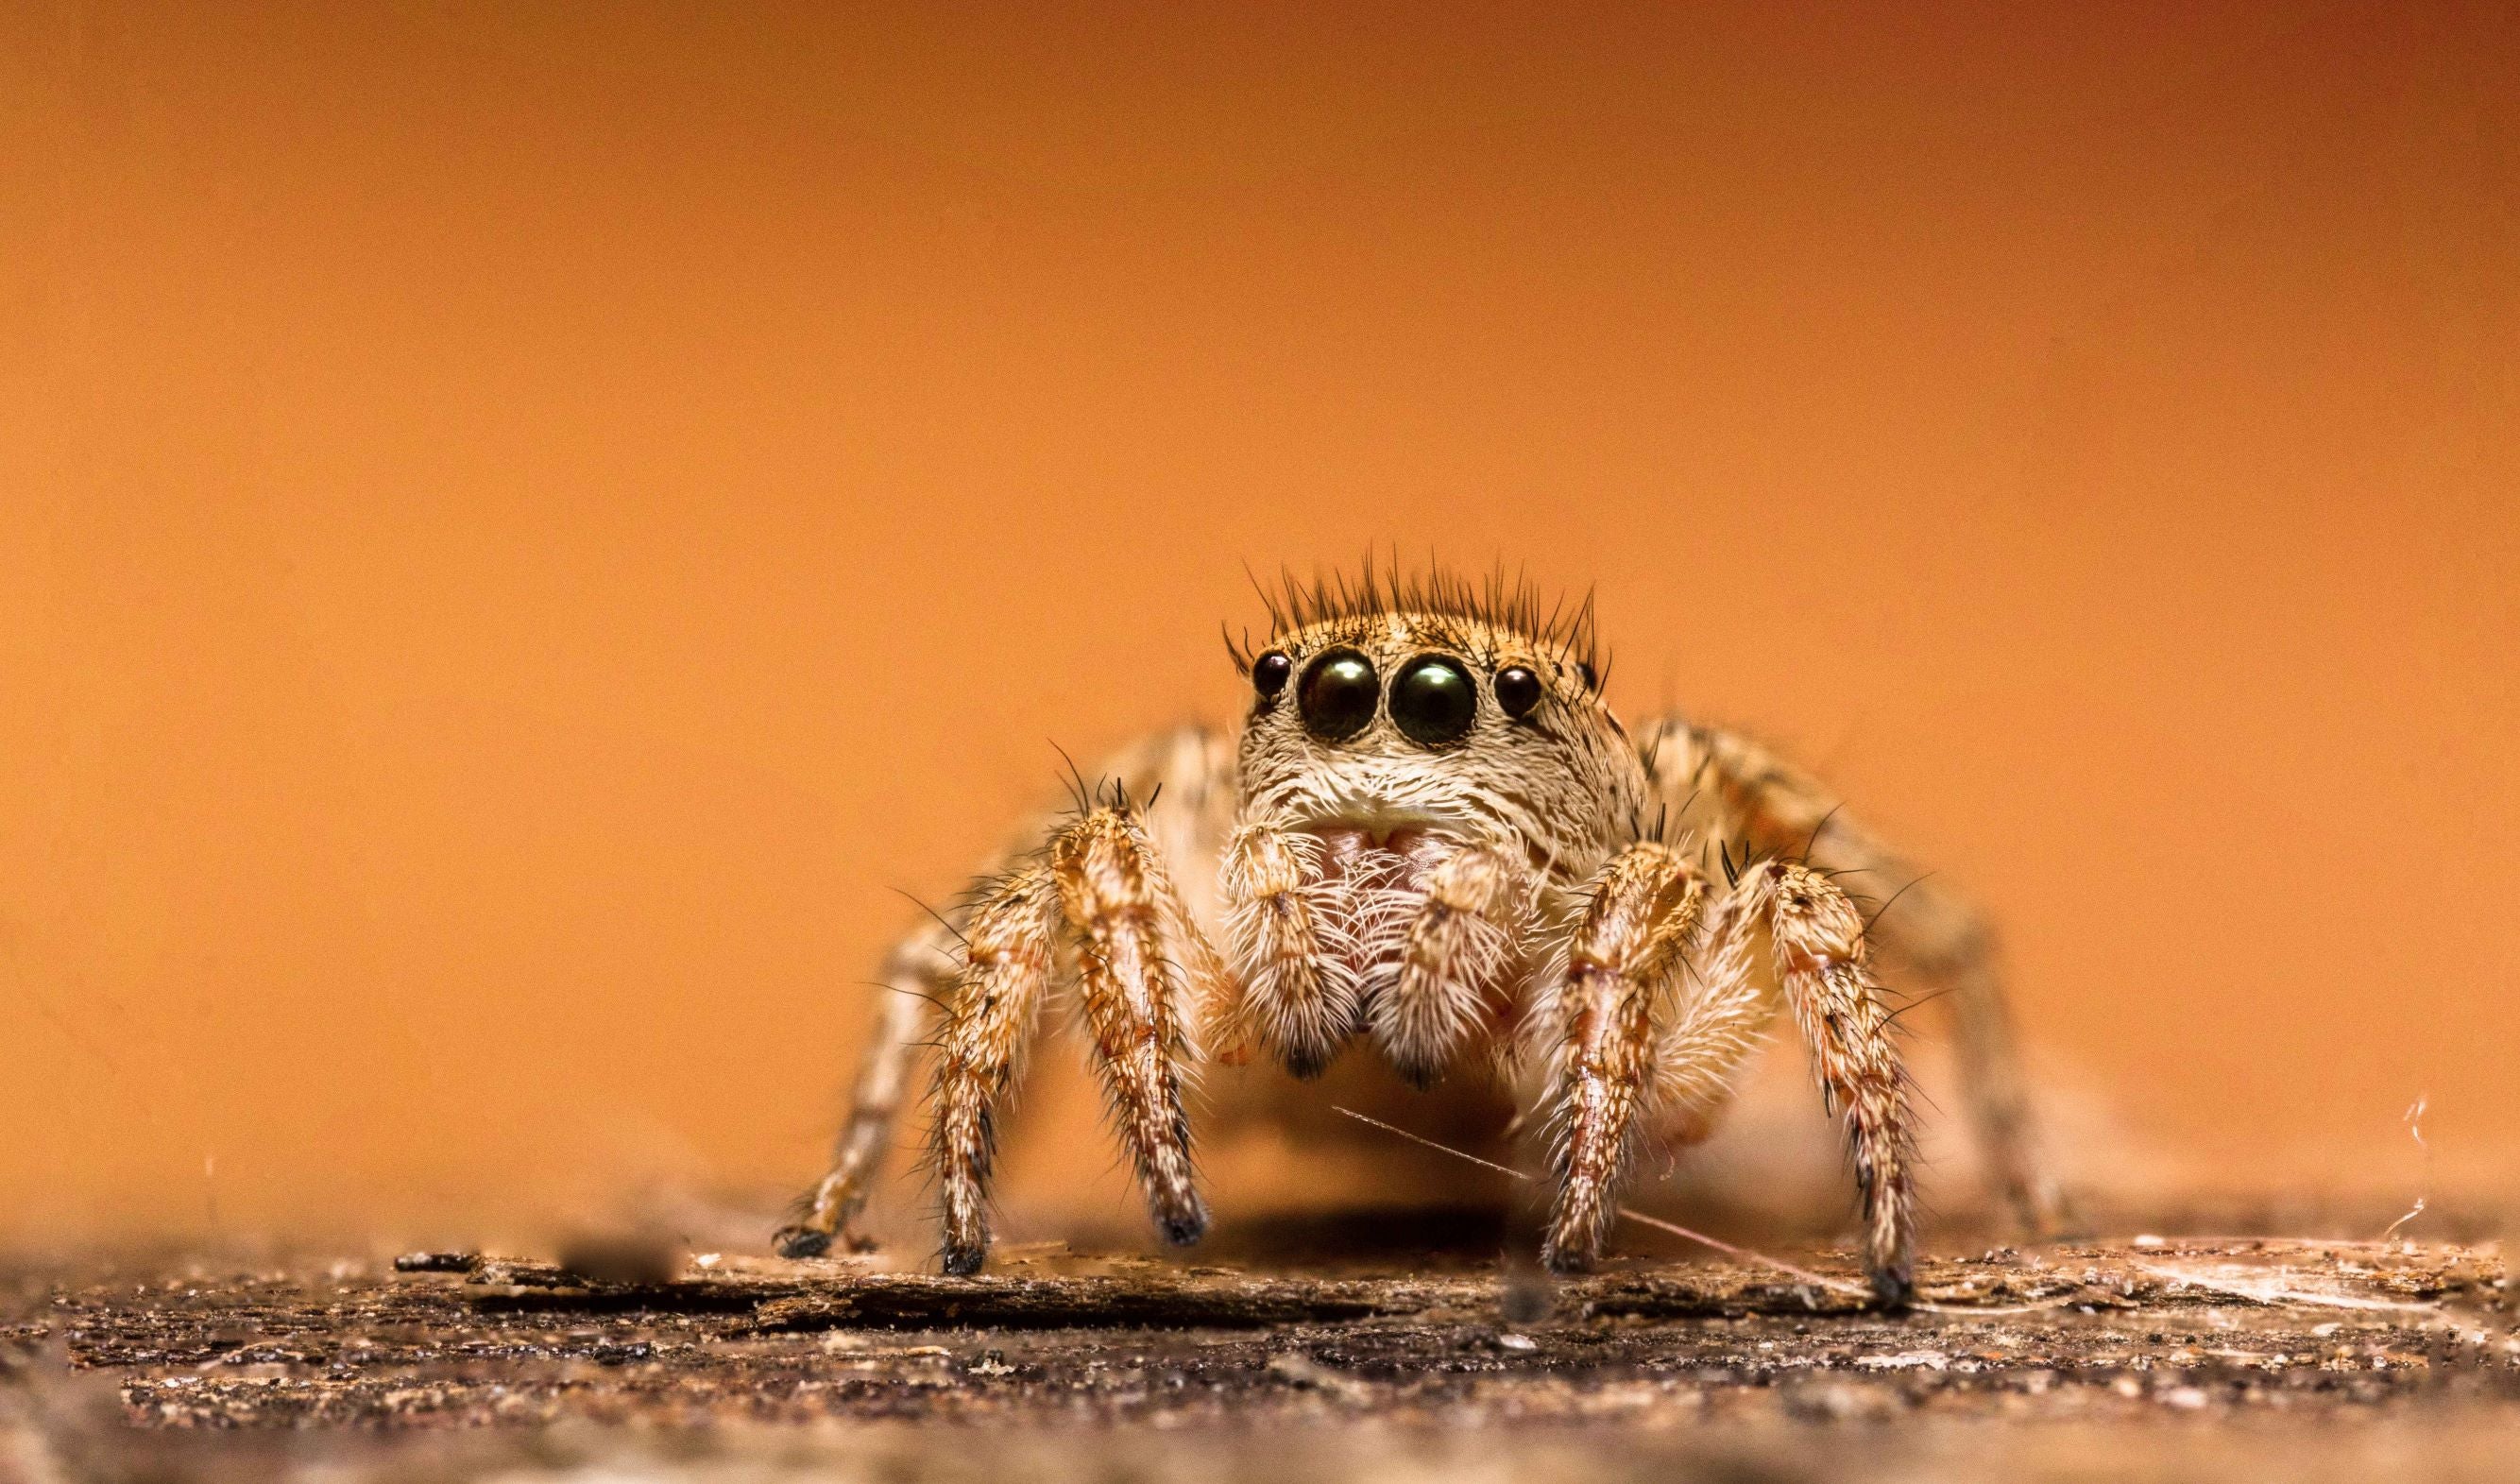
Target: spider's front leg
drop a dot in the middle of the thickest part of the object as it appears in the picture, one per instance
(1823, 966)
(1120, 903)
(1747, 791)
(991, 957)
(996, 1001)
(1137, 952)
(1621, 962)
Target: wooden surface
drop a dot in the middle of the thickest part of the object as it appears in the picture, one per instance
(2161, 1358)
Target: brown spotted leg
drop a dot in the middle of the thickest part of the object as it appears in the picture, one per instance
(1736, 789)
(1116, 897)
(1007, 966)
(1139, 960)
(1621, 963)
(1604, 1019)
(917, 978)
(1947, 944)
(985, 967)
(1823, 969)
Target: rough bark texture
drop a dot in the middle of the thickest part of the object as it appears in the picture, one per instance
(2170, 1359)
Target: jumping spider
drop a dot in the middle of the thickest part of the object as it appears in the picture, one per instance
(1433, 834)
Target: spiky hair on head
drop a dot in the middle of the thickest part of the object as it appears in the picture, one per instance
(1499, 600)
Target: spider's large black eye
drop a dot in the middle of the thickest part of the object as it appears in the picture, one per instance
(1269, 673)
(1517, 691)
(1338, 695)
(1435, 701)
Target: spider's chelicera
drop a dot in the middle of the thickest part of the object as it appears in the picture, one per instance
(1447, 845)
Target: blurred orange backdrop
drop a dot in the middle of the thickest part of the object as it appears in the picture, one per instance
(522, 523)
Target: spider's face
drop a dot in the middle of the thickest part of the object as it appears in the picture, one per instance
(1395, 731)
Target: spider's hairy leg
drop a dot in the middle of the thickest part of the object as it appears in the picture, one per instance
(917, 978)
(1007, 964)
(1823, 969)
(1300, 999)
(984, 964)
(1461, 949)
(1621, 962)
(1947, 944)
(1928, 929)
(1113, 892)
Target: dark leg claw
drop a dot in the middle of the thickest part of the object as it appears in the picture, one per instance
(800, 1241)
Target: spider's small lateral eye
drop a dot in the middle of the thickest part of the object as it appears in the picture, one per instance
(1435, 701)
(1269, 673)
(1517, 690)
(1338, 695)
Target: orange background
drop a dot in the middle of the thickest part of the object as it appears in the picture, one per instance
(519, 531)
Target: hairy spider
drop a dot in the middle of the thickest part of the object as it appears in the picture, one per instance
(1431, 832)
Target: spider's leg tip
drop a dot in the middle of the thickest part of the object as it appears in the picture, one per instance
(1565, 1259)
(800, 1241)
(962, 1262)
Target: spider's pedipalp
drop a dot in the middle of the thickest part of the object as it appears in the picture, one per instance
(1300, 994)
(1620, 963)
(1461, 947)
(1114, 893)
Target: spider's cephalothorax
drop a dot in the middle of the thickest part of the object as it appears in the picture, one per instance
(1431, 834)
